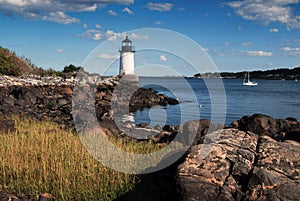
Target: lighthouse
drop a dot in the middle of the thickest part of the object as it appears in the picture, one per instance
(127, 57)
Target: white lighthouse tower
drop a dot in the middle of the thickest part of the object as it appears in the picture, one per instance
(127, 57)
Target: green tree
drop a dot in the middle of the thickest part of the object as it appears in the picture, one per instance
(71, 68)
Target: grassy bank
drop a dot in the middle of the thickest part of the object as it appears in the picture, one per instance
(39, 157)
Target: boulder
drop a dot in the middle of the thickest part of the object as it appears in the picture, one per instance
(196, 130)
(218, 170)
(239, 165)
(259, 124)
(149, 97)
(276, 175)
(292, 135)
(266, 125)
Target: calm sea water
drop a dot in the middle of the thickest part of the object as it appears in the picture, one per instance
(221, 100)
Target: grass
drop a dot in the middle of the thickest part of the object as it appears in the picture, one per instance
(39, 157)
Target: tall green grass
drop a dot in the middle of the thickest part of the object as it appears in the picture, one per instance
(39, 157)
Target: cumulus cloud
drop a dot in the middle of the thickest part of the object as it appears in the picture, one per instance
(92, 34)
(291, 51)
(113, 13)
(85, 26)
(59, 50)
(109, 56)
(110, 35)
(60, 17)
(268, 11)
(258, 53)
(54, 10)
(127, 10)
(159, 6)
(274, 30)
(163, 58)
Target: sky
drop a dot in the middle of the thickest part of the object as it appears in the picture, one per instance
(233, 35)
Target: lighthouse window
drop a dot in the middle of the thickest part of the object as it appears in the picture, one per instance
(126, 44)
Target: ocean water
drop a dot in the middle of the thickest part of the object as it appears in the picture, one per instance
(220, 100)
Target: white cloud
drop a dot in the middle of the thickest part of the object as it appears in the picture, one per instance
(60, 17)
(258, 53)
(291, 51)
(157, 22)
(110, 35)
(268, 11)
(92, 34)
(247, 44)
(274, 30)
(159, 6)
(205, 49)
(113, 13)
(98, 26)
(59, 50)
(54, 10)
(109, 56)
(85, 26)
(163, 58)
(127, 10)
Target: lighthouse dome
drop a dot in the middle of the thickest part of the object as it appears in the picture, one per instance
(126, 40)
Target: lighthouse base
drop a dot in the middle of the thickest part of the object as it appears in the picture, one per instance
(123, 93)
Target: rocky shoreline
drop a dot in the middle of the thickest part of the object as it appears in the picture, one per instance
(256, 158)
(241, 165)
(52, 98)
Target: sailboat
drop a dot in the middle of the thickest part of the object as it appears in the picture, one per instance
(248, 82)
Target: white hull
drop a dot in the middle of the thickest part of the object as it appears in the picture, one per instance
(249, 83)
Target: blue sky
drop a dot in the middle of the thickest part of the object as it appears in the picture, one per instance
(237, 35)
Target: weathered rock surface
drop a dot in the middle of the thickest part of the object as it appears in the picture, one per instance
(196, 130)
(223, 173)
(150, 97)
(276, 175)
(241, 166)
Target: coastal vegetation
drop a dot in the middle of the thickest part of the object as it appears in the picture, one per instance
(273, 74)
(40, 157)
(13, 65)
